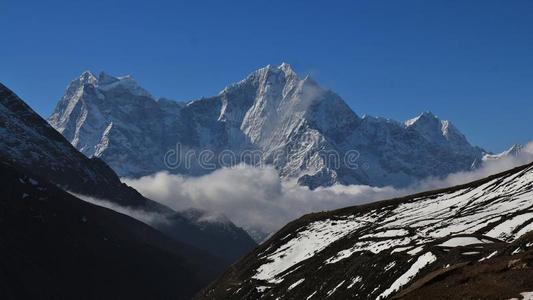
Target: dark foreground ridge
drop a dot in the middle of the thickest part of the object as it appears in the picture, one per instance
(56, 246)
(469, 242)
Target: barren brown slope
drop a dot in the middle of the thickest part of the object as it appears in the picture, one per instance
(504, 276)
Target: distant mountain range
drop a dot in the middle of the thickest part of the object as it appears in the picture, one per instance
(465, 242)
(306, 132)
(31, 144)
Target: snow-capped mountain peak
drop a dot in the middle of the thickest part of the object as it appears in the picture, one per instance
(435, 129)
(292, 121)
(267, 75)
(284, 68)
(426, 117)
(87, 107)
(287, 69)
(107, 82)
(514, 151)
(87, 78)
(104, 78)
(124, 82)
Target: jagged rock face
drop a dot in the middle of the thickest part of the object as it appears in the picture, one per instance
(305, 131)
(112, 119)
(393, 248)
(30, 142)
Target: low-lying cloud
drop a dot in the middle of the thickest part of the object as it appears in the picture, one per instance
(257, 200)
(254, 198)
(147, 217)
(488, 168)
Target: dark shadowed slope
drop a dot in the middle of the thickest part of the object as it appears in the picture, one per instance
(55, 246)
(381, 250)
(30, 142)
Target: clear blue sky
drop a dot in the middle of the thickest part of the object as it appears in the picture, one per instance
(467, 61)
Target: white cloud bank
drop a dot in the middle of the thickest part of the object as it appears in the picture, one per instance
(253, 198)
(150, 218)
(257, 200)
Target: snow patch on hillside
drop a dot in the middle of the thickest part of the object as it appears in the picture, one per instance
(421, 262)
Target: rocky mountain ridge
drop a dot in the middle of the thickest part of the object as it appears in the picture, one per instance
(306, 132)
